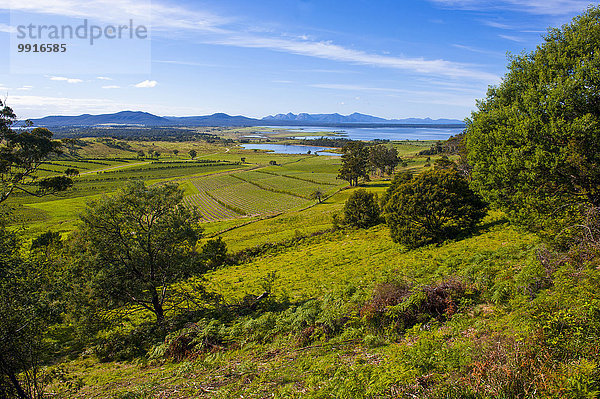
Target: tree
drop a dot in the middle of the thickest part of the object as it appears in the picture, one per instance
(533, 142)
(383, 160)
(432, 207)
(444, 163)
(318, 195)
(25, 311)
(192, 153)
(243, 159)
(361, 209)
(354, 162)
(25, 314)
(141, 154)
(141, 240)
(398, 180)
(214, 252)
(71, 172)
(22, 152)
(175, 152)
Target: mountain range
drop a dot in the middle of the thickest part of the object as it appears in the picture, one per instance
(138, 118)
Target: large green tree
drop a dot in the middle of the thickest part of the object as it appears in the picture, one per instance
(140, 241)
(534, 142)
(355, 161)
(25, 313)
(431, 207)
(383, 159)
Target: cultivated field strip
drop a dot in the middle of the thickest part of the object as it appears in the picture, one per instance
(316, 178)
(226, 196)
(209, 208)
(254, 200)
(296, 187)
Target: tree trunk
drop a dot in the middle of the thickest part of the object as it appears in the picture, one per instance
(21, 394)
(158, 309)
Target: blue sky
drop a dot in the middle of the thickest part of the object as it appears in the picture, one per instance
(394, 59)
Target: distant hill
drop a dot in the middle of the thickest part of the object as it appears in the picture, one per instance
(119, 118)
(139, 118)
(353, 118)
(324, 118)
(218, 119)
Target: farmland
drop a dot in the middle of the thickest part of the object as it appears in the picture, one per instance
(217, 182)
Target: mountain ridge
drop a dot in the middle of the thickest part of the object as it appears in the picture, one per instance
(223, 119)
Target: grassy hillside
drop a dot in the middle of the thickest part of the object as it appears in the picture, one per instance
(314, 337)
(308, 309)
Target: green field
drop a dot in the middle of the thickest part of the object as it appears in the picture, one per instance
(264, 210)
(256, 188)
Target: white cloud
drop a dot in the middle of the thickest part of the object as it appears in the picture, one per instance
(63, 79)
(25, 88)
(497, 25)
(103, 78)
(164, 16)
(479, 50)
(7, 28)
(330, 51)
(111, 87)
(37, 106)
(210, 28)
(146, 84)
(538, 7)
(442, 97)
(512, 38)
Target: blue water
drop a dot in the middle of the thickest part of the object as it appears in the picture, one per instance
(382, 133)
(289, 149)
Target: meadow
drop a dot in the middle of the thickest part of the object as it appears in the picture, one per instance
(286, 244)
(323, 328)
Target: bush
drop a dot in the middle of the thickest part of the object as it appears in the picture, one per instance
(399, 306)
(533, 142)
(361, 210)
(432, 207)
(214, 252)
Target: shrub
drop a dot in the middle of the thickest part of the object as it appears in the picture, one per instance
(214, 252)
(361, 210)
(398, 305)
(432, 207)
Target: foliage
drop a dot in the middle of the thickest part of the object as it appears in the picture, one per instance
(140, 241)
(22, 152)
(533, 141)
(25, 314)
(383, 159)
(444, 163)
(214, 253)
(400, 306)
(361, 209)
(193, 153)
(436, 148)
(318, 195)
(354, 162)
(432, 207)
